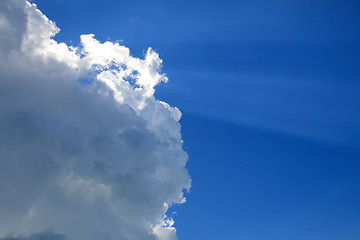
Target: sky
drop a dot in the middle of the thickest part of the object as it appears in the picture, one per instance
(269, 93)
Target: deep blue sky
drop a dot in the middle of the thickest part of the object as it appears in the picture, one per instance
(270, 95)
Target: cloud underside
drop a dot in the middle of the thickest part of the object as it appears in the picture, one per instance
(86, 151)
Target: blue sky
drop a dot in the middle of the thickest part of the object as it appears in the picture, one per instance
(270, 96)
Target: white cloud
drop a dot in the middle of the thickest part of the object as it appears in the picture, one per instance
(94, 159)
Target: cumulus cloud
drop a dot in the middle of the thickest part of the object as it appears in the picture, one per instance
(86, 151)
(39, 236)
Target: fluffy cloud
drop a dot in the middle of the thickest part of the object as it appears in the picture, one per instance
(86, 151)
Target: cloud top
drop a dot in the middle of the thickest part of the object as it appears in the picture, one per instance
(86, 151)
